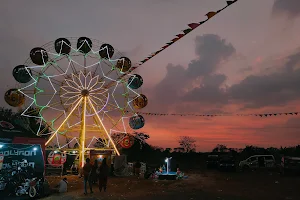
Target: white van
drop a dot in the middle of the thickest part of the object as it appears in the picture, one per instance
(258, 161)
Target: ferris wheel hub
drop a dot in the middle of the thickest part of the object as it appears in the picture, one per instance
(85, 92)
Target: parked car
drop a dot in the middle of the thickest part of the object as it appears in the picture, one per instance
(212, 161)
(258, 161)
(227, 163)
(290, 165)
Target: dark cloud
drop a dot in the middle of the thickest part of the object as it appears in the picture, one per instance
(290, 8)
(209, 91)
(199, 82)
(211, 50)
(245, 69)
(270, 90)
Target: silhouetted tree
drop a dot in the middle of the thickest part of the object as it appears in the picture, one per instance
(32, 124)
(187, 143)
(220, 148)
(6, 114)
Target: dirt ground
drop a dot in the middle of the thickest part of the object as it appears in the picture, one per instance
(206, 185)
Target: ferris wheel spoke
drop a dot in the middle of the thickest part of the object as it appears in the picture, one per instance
(96, 68)
(43, 130)
(56, 67)
(73, 67)
(93, 101)
(106, 75)
(39, 75)
(53, 80)
(75, 82)
(72, 99)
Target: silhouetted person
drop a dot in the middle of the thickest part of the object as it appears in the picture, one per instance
(93, 174)
(103, 172)
(87, 170)
(137, 168)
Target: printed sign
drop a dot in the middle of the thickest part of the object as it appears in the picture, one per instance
(56, 158)
(1, 160)
(21, 155)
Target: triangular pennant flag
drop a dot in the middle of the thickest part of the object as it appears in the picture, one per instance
(180, 35)
(175, 39)
(186, 31)
(211, 14)
(193, 25)
(231, 2)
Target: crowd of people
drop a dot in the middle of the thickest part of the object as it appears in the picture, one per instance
(95, 173)
(92, 174)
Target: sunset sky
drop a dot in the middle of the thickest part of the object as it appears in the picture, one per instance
(244, 60)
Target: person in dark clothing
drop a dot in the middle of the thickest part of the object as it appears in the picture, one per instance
(87, 170)
(103, 171)
(137, 168)
(93, 174)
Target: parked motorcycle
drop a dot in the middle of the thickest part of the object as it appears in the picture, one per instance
(28, 187)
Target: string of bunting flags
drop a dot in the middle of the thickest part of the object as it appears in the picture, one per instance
(221, 115)
(192, 26)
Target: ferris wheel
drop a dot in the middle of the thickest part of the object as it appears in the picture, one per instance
(72, 87)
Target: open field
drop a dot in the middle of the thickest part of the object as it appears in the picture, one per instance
(205, 185)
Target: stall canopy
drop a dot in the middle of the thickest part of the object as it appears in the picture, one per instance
(11, 132)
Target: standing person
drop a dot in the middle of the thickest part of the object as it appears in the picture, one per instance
(87, 170)
(103, 172)
(137, 168)
(93, 174)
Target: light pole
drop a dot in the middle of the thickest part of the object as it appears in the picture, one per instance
(167, 161)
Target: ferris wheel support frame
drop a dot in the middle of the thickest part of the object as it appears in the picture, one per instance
(84, 100)
(82, 133)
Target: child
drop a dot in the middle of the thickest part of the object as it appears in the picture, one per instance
(62, 186)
